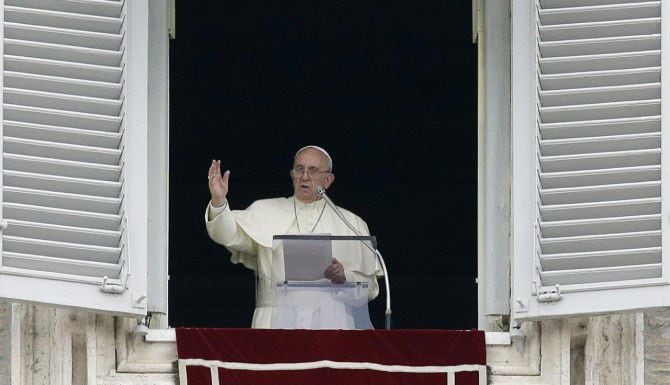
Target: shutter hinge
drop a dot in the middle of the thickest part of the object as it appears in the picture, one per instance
(117, 287)
(548, 293)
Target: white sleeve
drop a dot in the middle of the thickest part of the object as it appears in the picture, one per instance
(223, 229)
(213, 211)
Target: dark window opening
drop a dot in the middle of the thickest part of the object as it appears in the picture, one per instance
(388, 89)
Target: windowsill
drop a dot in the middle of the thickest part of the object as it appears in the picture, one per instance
(161, 335)
(498, 338)
(157, 353)
(169, 335)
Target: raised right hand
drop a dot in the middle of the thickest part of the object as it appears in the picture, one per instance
(218, 184)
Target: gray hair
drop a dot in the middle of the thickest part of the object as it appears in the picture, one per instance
(329, 160)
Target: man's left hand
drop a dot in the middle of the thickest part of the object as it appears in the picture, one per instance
(335, 272)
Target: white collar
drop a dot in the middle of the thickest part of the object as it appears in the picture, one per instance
(317, 204)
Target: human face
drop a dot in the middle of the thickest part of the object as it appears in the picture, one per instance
(304, 185)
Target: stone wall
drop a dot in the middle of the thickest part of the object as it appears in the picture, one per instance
(66, 347)
(604, 350)
(657, 348)
(55, 346)
(5, 341)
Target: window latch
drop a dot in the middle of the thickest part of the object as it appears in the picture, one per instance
(548, 293)
(114, 286)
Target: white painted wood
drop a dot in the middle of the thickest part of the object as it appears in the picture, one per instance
(523, 149)
(74, 154)
(591, 217)
(33, 13)
(665, 143)
(97, 7)
(494, 148)
(158, 161)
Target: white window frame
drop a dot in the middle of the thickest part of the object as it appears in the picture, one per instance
(148, 245)
(158, 154)
(614, 297)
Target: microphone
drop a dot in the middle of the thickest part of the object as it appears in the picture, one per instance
(321, 191)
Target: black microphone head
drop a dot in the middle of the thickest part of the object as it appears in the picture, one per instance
(320, 190)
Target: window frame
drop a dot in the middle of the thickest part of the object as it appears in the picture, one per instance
(133, 301)
(578, 299)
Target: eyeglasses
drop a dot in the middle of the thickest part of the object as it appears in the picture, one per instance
(297, 171)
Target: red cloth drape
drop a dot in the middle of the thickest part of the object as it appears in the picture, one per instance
(386, 347)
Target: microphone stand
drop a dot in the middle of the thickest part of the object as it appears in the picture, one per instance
(387, 314)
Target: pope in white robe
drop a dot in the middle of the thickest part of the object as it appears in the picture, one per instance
(248, 234)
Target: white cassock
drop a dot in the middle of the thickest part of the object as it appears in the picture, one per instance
(248, 235)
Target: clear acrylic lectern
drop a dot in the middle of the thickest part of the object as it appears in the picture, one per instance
(307, 300)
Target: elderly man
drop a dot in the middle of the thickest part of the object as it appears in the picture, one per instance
(248, 233)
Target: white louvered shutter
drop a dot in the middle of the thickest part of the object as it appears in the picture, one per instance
(589, 127)
(74, 153)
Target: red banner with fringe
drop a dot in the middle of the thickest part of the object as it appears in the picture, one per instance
(263, 357)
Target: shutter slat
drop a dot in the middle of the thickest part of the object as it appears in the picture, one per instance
(65, 20)
(62, 184)
(563, 81)
(595, 259)
(619, 93)
(62, 217)
(60, 85)
(562, 4)
(586, 243)
(599, 161)
(600, 62)
(605, 12)
(604, 274)
(646, 141)
(64, 69)
(72, 251)
(66, 234)
(599, 226)
(89, 7)
(12, 129)
(62, 151)
(563, 212)
(61, 167)
(63, 102)
(566, 179)
(60, 265)
(68, 119)
(603, 193)
(600, 29)
(62, 53)
(603, 127)
(615, 110)
(93, 204)
(600, 45)
(59, 36)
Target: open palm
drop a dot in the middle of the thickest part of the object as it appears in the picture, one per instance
(218, 184)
